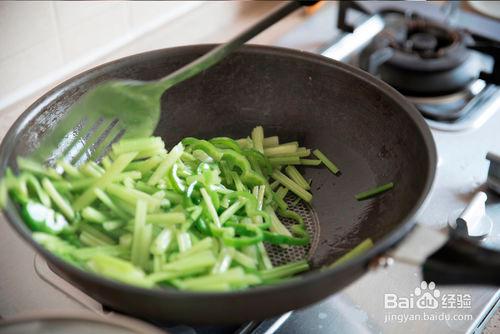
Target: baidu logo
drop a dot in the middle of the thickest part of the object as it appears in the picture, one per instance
(426, 303)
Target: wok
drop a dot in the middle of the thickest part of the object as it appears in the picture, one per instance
(368, 129)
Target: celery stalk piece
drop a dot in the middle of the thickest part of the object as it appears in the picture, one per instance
(97, 234)
(281, 192)
(223, 262)
(202, 245)
(292, 186)
(139, 223)
(158, 260)
(237, 182)
(145, 165)
(86, 253)
(94, 216)
(184, 241)
(275, 185)
(245, 142)
(166, 164)
(92, 240)
(69, 169)
(145, 244)
(205, 259)
(283, 271)
(114, 170)
(285, 160)
(375, 191)
(276, 225)
(108, 202)
(364, 246)
(327, 162)
(150, 153)
(210, 207)
(310, 162)
(137, 145)
(265, 261)
(166, 219)
(33, 184)
(162, 241)
(234, 276)
(31, 166)
(128, 183)
(295, 175)
(258, 138)
(106, 162)
(283, 149)
(271, 141)
(303, 152)
(243, 259)
(229, 212)
(81, 184)
(119, 270)
(260, 196)
(112, 225)
(59, 201)
(125, 241)
(131, 196)
(88, 170)
(165, 276)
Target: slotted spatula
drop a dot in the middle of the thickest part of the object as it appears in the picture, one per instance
(125, 108)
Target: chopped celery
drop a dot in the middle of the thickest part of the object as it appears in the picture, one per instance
(210, 207)
(184, 241)
(375, 191)
(285, 160)
(166, 164)
(280, 150)
(116, 168)
(119, 269)
(162, 241)
(310, 162)
(295, 175)
(196, 218)
(59, 200)
(292, 186)
(166, 219)
(283, 271)
(258, 138)
(92, 215)
(271, 141)
(137, 145)
(355, 252)
(139, 224)
(34, 167)
(327, 162)
(230, 211)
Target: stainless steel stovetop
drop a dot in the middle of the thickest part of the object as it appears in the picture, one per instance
(27, 284)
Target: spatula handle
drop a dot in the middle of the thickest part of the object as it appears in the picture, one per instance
(218, 53)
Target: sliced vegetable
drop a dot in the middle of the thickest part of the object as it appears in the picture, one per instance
(375, 191)
(327, 162)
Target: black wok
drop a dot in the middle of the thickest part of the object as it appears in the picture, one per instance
(366, 127)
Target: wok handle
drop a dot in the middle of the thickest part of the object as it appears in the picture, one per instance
(460, 261)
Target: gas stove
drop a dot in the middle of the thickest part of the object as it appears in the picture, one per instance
(461, 104)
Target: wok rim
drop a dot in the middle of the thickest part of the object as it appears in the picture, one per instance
(311, 277)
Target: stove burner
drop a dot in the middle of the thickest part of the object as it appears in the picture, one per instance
(424, 42)
(421, 58)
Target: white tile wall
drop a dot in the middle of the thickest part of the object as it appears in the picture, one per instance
(87, 27)
(44, 42)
